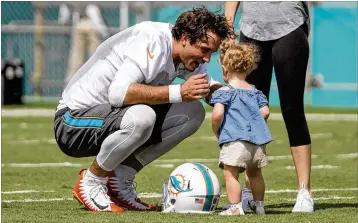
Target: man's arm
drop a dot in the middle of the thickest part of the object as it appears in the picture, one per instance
(195, 88)
(230, 11)
(140, 93)
(127, 90)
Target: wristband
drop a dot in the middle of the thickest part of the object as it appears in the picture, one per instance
(174, 94)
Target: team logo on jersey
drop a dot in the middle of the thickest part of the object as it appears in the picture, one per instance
(151, 56)
(179, 184)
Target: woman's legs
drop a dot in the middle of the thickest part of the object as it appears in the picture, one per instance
(290, 58)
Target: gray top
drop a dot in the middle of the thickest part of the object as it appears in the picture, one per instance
(265, 21)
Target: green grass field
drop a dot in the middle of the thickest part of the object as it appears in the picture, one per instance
(43, 194)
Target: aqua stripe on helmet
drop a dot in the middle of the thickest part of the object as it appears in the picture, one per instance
(209, 187)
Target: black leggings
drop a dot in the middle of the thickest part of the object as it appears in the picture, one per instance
(289, 57)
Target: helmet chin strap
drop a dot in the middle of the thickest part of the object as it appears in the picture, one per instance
(169, 209)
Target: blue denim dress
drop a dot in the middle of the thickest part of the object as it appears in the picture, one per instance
(242, 118)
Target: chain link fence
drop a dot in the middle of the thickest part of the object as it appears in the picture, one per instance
(19, 42)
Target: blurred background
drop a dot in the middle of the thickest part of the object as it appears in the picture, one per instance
(39, 41)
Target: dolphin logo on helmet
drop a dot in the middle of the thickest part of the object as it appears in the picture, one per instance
(177, 184)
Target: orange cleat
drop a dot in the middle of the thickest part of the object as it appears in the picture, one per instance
(92, 193)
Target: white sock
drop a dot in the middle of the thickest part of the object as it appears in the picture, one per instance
(238, 205)
(89, 174)
(259, 203)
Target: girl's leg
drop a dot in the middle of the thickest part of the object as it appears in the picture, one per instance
(258, 188)
(233, 188)
(257, 183)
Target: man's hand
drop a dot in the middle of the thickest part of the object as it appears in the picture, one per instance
(213, 88)
(195, 88)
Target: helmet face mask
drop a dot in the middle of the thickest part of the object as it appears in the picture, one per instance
(191, 188)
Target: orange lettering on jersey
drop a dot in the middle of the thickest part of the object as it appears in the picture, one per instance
(149, 54)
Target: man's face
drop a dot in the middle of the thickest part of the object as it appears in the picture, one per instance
(199, 52)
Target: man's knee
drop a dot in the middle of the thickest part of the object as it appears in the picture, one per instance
(141, 118)
(197, 113)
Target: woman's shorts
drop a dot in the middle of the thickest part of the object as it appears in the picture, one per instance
(243, 154)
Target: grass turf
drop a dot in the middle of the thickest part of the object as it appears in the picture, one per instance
(30, 140)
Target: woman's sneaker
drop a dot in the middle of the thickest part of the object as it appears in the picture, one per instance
(304, 202)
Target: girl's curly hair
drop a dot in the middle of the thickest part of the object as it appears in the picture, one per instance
(198, 21)
(238, 57)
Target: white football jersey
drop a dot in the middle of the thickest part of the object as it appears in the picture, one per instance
(141, 54)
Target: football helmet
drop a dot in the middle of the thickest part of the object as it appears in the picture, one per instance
(191, 188)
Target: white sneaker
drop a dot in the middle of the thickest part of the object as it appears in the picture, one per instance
(247, 199)
(235, 209)
(122, 189)
(304, 202)
(260, 207)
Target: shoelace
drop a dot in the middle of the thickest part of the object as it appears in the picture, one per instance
(101, 191)
(129, 192)
(302, 195)
(131, 186)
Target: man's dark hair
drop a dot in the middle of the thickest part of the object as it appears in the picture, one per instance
(197, 22)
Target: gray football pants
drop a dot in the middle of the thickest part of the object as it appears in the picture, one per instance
(181, 121)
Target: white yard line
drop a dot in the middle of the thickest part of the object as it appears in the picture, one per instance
(37, 200)
(202, 160)
(165, 161)
(26, 191)
(313, 190)
(169, 165)
(347, 156)
(65, 164)
(322, 135)
(27, 112)
(327, 198)
(31, 141)
(315, 167)
(273, 116)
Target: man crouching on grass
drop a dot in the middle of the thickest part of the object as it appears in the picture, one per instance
(121, 107)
